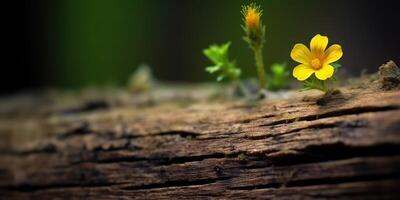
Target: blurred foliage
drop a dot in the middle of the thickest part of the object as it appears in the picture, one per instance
(278, 77)
(100, 41)
(219, 56)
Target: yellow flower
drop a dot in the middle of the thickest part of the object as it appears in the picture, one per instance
(317, 60)
(252, 15)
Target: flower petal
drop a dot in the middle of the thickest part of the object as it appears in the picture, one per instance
(300, 53)
(325, 72)
(333, 54)
(318, 44)
(302, 72)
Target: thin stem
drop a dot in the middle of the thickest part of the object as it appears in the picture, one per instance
(323, 86)
(260, 66)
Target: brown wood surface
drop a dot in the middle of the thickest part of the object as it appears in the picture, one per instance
(193, 145)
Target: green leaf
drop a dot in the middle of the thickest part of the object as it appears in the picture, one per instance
(278, 77)
(314, 83)
(213, 69)
(213, 55)
(220, 78)
(219, 56)
(237, 72)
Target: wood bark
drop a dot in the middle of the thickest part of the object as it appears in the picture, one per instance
(116, 145)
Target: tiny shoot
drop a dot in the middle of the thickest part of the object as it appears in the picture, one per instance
(222, 65)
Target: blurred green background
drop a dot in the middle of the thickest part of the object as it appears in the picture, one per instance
(76, 43)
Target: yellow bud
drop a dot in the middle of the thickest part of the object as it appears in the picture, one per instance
(252, 15)
(252, 19)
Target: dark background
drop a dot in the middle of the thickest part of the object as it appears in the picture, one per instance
(79, 43)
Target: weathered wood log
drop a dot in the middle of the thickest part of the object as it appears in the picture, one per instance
(182, 146)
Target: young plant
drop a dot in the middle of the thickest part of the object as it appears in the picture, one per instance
(318, 61)
(255, 37)
(279, 76)
(219, 56)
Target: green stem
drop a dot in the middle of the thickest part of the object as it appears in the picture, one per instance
(260, 66)
(323, 86)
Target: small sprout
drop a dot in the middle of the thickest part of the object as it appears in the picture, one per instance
(318, 61)
(255, 37)
(219, 56)
(279, 77)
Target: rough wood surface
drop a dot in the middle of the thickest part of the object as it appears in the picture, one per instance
(117, 145)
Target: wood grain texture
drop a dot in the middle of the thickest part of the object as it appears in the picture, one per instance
(115, 145)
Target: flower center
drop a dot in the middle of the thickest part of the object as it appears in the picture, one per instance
(316, 63)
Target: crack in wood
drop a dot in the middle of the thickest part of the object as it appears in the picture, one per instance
(331, 152)
(164, 161)
(36, 188)
(323, 181)
(336, 113)
(82, 129)
(309, 127)
(176, 184)
(89, 106)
